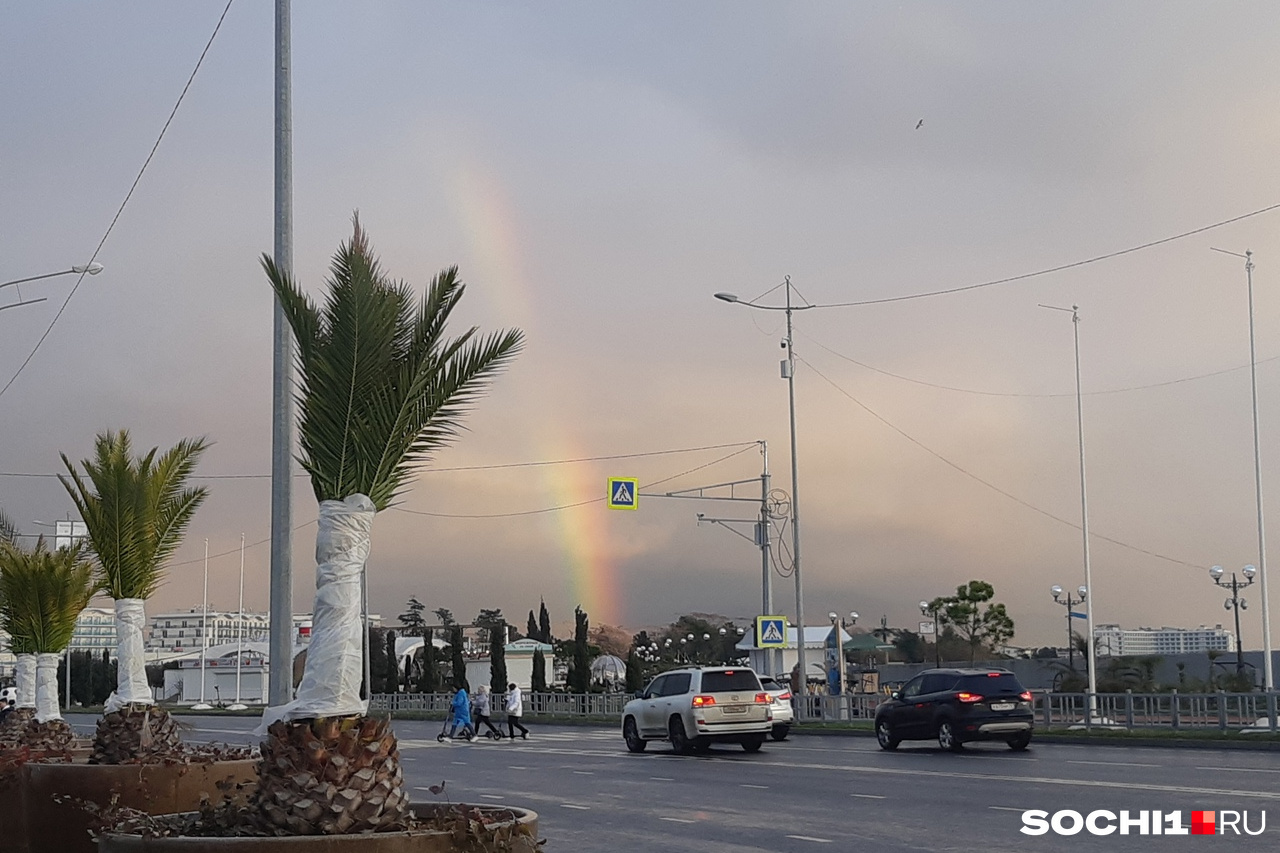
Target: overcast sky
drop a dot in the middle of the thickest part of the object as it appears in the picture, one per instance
(597, 172)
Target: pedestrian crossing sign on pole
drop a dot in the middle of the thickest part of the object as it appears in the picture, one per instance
(624, 493)
(771, 632)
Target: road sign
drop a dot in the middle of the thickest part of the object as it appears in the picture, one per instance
(771, 632)
(624, 493)
(928, 628)
(1075, 615)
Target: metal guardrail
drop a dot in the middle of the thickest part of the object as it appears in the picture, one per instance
(1221, 711)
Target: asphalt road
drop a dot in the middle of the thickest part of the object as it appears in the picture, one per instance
(812, 791)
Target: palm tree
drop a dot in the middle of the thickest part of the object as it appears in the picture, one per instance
(381, 389)
(136, 511)
(41, 595)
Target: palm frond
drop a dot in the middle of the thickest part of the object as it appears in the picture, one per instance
(8, 530)
(136, 510)
(380, 389)
(41, 595)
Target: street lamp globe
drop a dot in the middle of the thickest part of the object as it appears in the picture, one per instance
(853, 616)
(1215, 572)
(1082, 591)
(723, 632)
(706, 637)
(833, 617)
(924, 607)
(1250, 571)
(690, 637)
(1056, 590)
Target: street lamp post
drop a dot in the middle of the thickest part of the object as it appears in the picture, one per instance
(1236, 603)
(926, 610)
(789, 374)
(837, 628)
(1268, 678)
(1067, 601)
(79, 269)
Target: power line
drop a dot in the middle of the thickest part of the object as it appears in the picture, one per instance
(984, 393)
(120, 210)
(1073, 265)
(987, 483)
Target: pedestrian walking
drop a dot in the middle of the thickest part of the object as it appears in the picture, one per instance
(480, 710)
(515, 709)
(461, 706)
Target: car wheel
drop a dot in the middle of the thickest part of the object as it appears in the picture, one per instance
(885, 736)
(635, 743)
(1020, 742)
(780, 732)
(947, 738)
(680, 742)
(701, 745)
(752, 743)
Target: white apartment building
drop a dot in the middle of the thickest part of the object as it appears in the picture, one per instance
(183, 632)
(95, 631)
(1114, 640)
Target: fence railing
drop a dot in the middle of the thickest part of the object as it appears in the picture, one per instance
(1221, 711)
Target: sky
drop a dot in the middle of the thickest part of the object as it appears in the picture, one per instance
(598, 172)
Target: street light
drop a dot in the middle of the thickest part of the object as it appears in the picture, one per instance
(1084, 510)
(926, 610)
(1236, 603)
(90, 269)
(1268, 678)
(837, 629)
(1067, 601)
(789, 374)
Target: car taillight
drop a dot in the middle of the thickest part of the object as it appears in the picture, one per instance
(703, 701)
(785, 697)
(763, 699)
(1025, 696)
(969, 697)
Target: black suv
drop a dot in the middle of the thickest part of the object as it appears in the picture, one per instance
(955, 706)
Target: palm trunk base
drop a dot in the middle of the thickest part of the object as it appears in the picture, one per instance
(49, 737)
(14, 725)
(332, 776)
(135, 733)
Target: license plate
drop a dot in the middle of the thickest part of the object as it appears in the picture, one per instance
(742, 709)
(1002, 706)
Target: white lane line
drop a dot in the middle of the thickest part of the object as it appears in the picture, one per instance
(661, 779)
(572, 806)
(592, 772)
(493, 796)
(677, 820)
(869, 796)
(1241, 769)
(757, 787)
(464, 763)
(1006, 809)
(516, 767)
(810, 838)
(1116, 763)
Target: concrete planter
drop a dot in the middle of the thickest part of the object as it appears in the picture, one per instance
(153, 788)
(521, 838)
(13, 792)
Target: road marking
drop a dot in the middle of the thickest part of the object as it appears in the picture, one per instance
(677, 820)
(585, 772)
(869, 796)
(572, 806)
(458, 762)
(759, 787)
(1006, 809)
(493, 796)
(1241, 769)
(661, 779)
(1116, 763)
(810, 838)
(516, 767)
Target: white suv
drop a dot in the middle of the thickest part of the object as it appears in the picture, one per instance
(693, 708)
(783, 714)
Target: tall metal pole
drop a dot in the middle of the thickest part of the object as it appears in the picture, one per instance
(1084, 519)
(772, 656)
(1267, 676)
(204, 621)
(281, 647)
(789, 367)
(240, 622)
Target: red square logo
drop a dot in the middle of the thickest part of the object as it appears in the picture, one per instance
(1202, 823)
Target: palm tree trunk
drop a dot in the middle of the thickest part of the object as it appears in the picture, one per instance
(47, 687)
(131, 677)
(25, 681)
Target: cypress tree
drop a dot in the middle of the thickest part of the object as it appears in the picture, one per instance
(539, 681)
(544, 622)
(459, 665)
(498, 659)
(531, 629)
(635, 677)
(428, 680)
(392, 682)
(580, 670)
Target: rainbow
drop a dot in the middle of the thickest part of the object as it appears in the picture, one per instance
(490, 222)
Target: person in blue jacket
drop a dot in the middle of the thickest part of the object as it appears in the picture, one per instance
(461, 706)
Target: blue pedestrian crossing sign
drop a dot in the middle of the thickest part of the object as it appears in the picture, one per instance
(771, 632)
(624, 493)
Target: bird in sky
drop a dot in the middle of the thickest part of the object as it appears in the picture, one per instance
(919, 124)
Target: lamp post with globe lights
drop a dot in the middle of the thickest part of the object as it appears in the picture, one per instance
(926, 610)
(1235, 603)
(1067, 601)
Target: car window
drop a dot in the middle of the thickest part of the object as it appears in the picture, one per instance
(655, 686)
(994, 683)
(913, 687)
(769, 683)
(937, 682)
(677, 684)
(725, 680)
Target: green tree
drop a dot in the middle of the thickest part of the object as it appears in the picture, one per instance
(8, 531)
(411, 620)
(539, 679)
(429, 676)
(445, 616)
(458, 664)
(544, 623)
(991, 626)
(498, 659)
(376, 643)
(910, 645)
(531, 629)
(635, 672)
(580, 668)
(392, 682)
(486, 621)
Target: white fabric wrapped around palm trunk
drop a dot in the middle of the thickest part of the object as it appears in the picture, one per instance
(47, 687)
(335, 657)
(131, 680)
(24, 679)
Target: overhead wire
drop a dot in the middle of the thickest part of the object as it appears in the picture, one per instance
(120, 210)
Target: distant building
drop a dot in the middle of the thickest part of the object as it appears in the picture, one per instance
(184, 631)
(95, 631)
(1116, 641)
